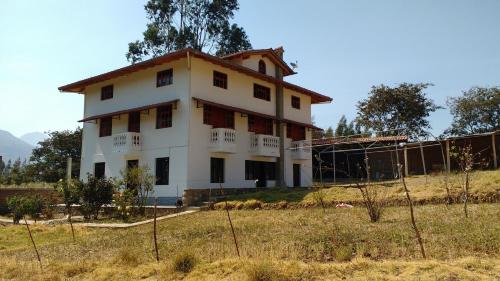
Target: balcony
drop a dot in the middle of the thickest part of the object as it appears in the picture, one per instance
(222, 140)
(127, 143)
(301, 150)
(265, 145)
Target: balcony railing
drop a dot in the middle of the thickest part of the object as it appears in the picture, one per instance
(127, 142)
(301, 150)
(264, 145)
(222, 140)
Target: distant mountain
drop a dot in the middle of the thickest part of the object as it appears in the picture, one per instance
(13, 148)
(34, 138)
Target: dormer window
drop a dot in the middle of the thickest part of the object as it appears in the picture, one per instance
(262, 67)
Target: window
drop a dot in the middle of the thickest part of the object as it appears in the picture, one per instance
(107, 92)
(295, 132)
(162, 167)
(260, 169)
(99, 170)
(262, 67)
(105, 126)
(220, 80)
(216, 170)
(134, 122)
(218, 117)
(295, 102)
(261, 92)
(165, 77)
(164, 116)
(260, 125)
(132, 164)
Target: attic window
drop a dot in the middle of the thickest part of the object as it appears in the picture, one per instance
(295, 102)
(262, 67)
(164, 77)
(107, 92)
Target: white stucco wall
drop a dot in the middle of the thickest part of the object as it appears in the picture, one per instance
(186, 142)
(132, 91)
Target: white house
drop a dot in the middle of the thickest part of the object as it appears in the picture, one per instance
(198, 120)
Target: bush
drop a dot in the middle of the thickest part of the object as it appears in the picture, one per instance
(126, 257)
(252, 204)
(262, 271)
(140, 182)
(123, 201)
(25, 205)
(17, 206)
(184, 262)
(94, 194)
(343, 253)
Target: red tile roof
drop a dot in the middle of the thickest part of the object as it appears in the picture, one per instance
(79, 86)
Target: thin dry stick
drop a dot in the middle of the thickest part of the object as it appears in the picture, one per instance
(154, 232)
(71, 224)
(466, 193)
(410, 203)
(230, 222)
(33, 241)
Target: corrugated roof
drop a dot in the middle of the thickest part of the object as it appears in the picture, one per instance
(354, 140)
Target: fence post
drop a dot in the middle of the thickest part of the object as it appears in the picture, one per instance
(423, 161)
(448, 162)
(493, 145)
(405, 154)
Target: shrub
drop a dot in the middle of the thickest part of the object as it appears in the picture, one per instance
(94, 194)
(252, 204)
(261, 271)
(17, 206)
(25, 205)
(184, 262)
(70, 192)
(343, 253)
(126, 257)
(140, 182)
(123, 201)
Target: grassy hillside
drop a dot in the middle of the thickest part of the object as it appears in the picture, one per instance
(484, 187)
(301, 244)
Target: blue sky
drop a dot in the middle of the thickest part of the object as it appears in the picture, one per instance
(342, 48)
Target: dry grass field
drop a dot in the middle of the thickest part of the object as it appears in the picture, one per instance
(290, 244)
(485, 187)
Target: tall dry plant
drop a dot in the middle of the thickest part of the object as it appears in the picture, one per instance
(465, 158)
(412, 214)
(374, 198)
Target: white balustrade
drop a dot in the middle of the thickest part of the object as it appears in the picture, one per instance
(127, 142)
(222, 140)
(265, 145)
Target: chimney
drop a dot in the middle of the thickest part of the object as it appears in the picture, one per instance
(279, 51)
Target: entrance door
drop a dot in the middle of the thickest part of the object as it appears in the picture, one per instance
(261, 174)
(296, 175)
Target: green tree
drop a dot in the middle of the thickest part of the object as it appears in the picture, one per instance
(199, 24)
(400, 110)
(140, 182)
(476, 111)
(329, 132)
(16, 173)
(48, 161)
(95, 192)
(344, 129)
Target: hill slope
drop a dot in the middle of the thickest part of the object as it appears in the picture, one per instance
(33, 138)
(13, 148)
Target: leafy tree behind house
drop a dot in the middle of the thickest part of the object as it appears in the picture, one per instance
(476, 111)
(199, 24)
(48, 161)
(403, 109)
(344, 129)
